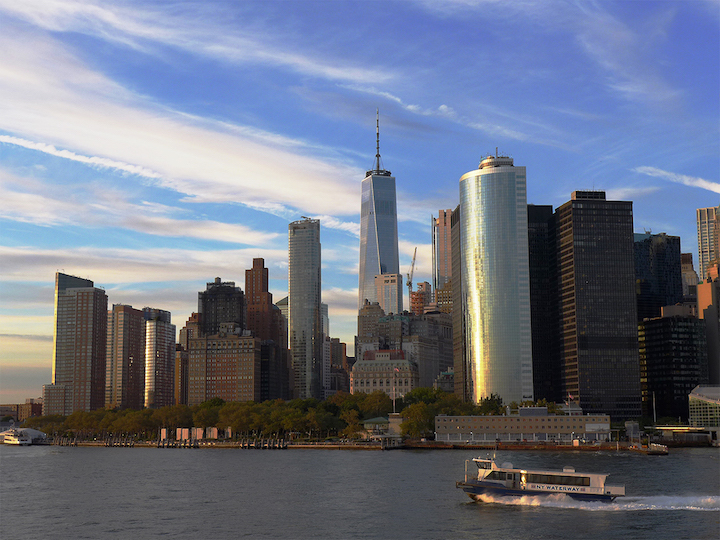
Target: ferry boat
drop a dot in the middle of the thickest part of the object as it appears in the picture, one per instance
(16, 437)
(504, 480)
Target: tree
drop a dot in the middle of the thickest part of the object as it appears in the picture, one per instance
(352, 418)
(419, 420)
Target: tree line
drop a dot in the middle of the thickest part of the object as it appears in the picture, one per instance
(341, 415)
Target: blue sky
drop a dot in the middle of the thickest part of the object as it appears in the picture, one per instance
(151, 146)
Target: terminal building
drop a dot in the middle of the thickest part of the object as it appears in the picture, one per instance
(531, 424)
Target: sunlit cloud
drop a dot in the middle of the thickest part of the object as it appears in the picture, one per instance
(629, 193)
(680, 178)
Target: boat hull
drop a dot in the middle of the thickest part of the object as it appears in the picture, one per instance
(476, 489)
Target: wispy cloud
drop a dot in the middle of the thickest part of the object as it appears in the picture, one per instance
(629, 193)
(680, 178)
(102, 124)
(33, 201)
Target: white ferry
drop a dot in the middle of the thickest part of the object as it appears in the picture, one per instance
(505, 480)
(16, 437)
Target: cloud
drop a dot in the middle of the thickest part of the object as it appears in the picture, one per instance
(680, 178)
(629, 193)
(50, 100)
(33, 201)
(194, 29)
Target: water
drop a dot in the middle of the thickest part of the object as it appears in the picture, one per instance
(60, 492)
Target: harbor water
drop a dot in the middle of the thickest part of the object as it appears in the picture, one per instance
(78, 492)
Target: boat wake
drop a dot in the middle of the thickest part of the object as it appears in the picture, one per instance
(707, 503)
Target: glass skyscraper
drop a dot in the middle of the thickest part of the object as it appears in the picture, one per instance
(378, 232)
(495, 285)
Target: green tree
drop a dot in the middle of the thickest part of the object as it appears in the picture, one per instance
(419, 420)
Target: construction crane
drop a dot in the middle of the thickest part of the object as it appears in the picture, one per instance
(409, 280)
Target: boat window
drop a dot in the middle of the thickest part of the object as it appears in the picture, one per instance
(559, 479)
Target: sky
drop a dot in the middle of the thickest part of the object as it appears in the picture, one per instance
(152, 146)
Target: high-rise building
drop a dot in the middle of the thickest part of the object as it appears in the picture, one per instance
(708, 304)
(673, 360)
(226, 365)
(420, 298)
(495, 285)
(441, 252)
(221, 302)
(658, 273)
(125, 358)
(388, 291)
(463, 380)
(304, 299)
(689, 278)
(267, 322)
(79, 347)
(546, 372)
(378, 230)
(596, 311)
(159, 358)
(707, 238)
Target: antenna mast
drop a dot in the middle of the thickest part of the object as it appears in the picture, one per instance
(377, 139)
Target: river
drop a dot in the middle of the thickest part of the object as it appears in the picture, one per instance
(67, 492)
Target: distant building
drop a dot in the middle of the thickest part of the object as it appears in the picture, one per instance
(388, 291)
(532, 424)
(595, 322)
(494, 282)
(125, 358)
(441, 250)
(79, 347)
(226, 365)
(708, 303)
(689, 278)
(658, 273)
(704, 403)
(304, 303)
(159, 358)
(707, 238)
(221, 302)
(673, 360)
(387, 371)
(420, 298)
(445, 381)
(378, 231)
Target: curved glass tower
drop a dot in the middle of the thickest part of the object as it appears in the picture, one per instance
(495, 281)
(378, 233)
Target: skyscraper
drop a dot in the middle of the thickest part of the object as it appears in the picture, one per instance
(596, 323)
(221, 302)
(304, 299)
(378, 230)
(707, 238)
(125, 358)
(441, 252)
(495, 282)
(79, 343)
(159, 358)
(658, 273)
(388, 290)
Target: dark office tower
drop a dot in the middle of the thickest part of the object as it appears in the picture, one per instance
(221, 302)
(378, 232)
(441, 252)
(463, 383)
(266, 322)
(304, 300)
(125, 358)
(546, 372)
(658, 273)
(673, 361)
(689, 278)
(596, 311)
(78, 347)
(708, 304)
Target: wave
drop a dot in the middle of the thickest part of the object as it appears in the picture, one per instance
(708, 503)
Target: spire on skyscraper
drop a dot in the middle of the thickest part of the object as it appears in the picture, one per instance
(377, 166)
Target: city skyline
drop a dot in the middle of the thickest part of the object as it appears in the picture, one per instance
(152, 149)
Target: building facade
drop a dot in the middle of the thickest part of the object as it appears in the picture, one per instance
(388, 291)
(378, 231)
(387, 371)
(79, 347)
(707, 238)
(658, 273)
(495, 285)
(221, 302)
(441, 249)
(159, 358)
(125, 358)
(596, 321)
(304, 300)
